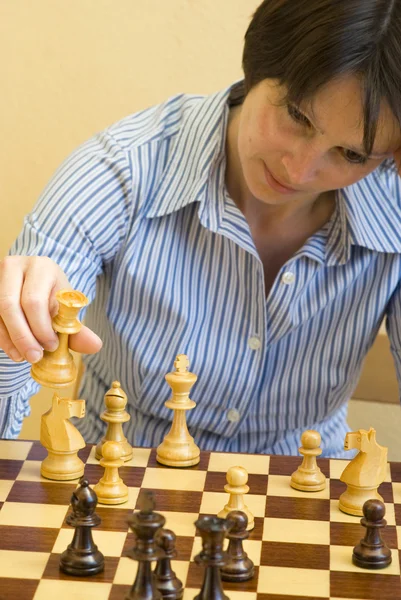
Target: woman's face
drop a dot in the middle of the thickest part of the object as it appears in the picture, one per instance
(312, 148)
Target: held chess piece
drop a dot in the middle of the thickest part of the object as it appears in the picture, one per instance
(178, 448)
(145, 524)
(115, 415)
(364, 473)
(167, 582)
(111, 489)
(236, 486)
(82, 556)
(239, 566)
(308, 477)
(372, 552)
(62, 440)
(213, 531)
(57, 369)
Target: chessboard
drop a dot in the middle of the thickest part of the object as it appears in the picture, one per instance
(301, 544)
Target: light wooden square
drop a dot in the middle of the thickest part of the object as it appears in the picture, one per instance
(25, 514)
(181, 523)
(397, 492)
(127, 568)
(341, 560)
(131, 502)
(279, 485)
(31, 472)
(22, 565)
(5, 487)
(252, 547)
(337, 467)
(399, 536)
(12, 450)
(337, 516)
(140, 458)
(298, 531)
(110, 543)
(295, 582)
(214, 502)
(66, 590)
(174, 479)
(253, 464)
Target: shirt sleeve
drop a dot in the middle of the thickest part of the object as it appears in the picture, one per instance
(393, 328)
(80, 221)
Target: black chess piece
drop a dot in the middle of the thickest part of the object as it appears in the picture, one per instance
(82, 556)
(145, 523)
(372, 552)
(213, 530)
(239, 566)
(167, 582)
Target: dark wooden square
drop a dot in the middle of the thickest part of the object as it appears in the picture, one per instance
(39, 539)
(296, 556)
(311, 509)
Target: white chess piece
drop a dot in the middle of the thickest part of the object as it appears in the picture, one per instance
(308, 477)
(364, 473)
(178, 448)
(237, 487)
(115, 415)
(111, 489)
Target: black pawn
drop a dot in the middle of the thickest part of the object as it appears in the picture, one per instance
(239, 567)
(145, 524)
(372, 552)
(82, 556)
(213, 530)
(166, 580)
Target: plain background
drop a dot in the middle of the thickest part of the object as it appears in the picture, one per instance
(71, 68)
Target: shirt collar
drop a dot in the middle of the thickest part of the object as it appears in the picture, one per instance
(200, 143)
(372, 210)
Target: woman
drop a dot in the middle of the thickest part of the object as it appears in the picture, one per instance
(256, 230)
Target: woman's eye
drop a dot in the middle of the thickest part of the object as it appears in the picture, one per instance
(296, 115)
(354, 157)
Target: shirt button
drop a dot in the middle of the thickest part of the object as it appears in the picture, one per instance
(288, 277)
(254, 343)
(233, 415)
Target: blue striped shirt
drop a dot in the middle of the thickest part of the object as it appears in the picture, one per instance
(140, 220)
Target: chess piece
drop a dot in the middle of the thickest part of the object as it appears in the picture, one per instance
(364, 473)
(167, 582)
(115, 415)
(82, 556)
(111, 489)
(239, 566)
(236, 486)
(308, 477)
(178, 448)
(62, 440)
(213, 531)
(57, 369)
(372, 552)
(145, 523)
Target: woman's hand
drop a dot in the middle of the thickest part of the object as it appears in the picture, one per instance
(28, 286)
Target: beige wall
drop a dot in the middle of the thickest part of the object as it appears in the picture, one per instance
(72, 67)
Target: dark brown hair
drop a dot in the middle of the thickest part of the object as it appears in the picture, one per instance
(304, 44)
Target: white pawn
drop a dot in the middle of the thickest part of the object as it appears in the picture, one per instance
(111, 489)
(236, 486)
(115, 415)
(308, 477)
